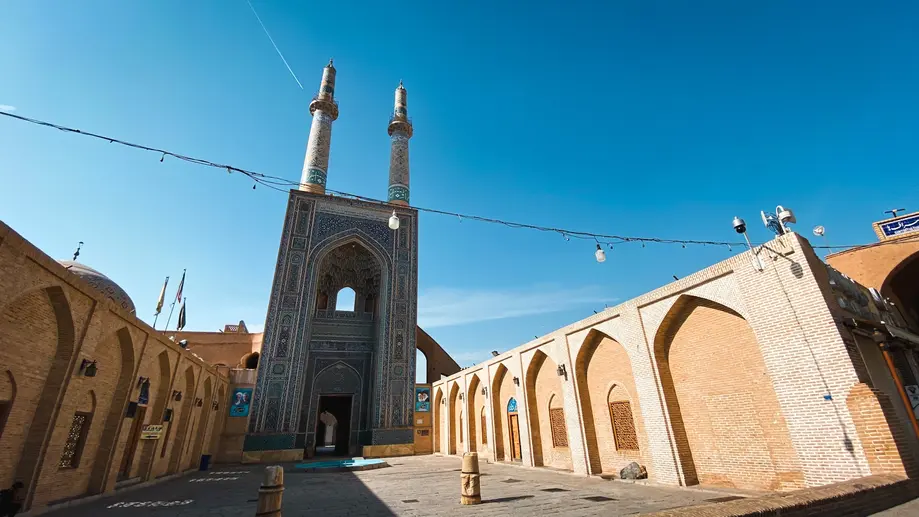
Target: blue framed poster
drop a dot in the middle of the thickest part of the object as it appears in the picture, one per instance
(512, 405)
(239, 404)
(422, 400)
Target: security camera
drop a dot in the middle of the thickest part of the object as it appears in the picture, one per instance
(739, 225)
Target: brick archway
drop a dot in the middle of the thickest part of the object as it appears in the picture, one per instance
(36, 335)
(727, 424)
(502, 390)
(603, 368)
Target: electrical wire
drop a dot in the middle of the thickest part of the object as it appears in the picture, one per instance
(277, 182)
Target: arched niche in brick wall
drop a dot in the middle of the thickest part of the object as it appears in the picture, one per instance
(474, 402)
(438, 423)
(902, 286)
(727, 424)
(501, 391)
(453, 419)
(603, 367)
(542, 384)
(108, 446)
(36, 336)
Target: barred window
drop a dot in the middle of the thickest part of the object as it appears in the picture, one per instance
(76, 438)
(557, 423)
(623, 426)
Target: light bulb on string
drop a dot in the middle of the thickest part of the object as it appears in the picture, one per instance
(394, 221)
(600, 254)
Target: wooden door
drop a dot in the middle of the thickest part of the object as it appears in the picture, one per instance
(133, 439)
(515, 437)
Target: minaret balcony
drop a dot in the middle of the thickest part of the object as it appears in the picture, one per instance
(323, 103)
(400, 123)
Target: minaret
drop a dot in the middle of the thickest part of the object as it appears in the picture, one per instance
(400, 130)
(324, 110)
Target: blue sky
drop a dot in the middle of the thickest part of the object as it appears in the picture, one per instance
(641, 118)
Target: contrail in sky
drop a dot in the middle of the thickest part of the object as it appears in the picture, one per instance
(292, 74)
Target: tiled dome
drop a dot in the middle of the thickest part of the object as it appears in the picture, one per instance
(100, 282)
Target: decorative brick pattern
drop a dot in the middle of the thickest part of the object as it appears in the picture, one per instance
(623, 425)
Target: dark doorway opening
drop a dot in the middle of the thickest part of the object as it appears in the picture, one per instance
(333, 426)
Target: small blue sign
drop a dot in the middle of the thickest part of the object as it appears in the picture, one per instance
(512, 405)
(906, 224)
(239, 405)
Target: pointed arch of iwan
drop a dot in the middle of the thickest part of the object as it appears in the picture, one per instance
(727, 424)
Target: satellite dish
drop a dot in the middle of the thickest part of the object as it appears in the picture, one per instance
(819, 231)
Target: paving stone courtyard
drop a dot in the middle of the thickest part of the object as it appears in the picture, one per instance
(412, 486)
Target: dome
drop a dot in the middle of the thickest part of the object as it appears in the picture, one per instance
(101, 282)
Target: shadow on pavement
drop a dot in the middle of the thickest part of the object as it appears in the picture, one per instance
(232, 490)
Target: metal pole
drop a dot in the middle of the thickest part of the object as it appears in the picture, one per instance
(155, 317)
(171, 308)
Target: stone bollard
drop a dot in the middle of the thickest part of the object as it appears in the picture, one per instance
(470, 491)
(269, 494)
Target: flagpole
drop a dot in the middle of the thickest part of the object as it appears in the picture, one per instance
(173, 306)
(159, 303)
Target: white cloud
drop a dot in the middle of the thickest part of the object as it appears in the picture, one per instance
(7, 108)
(442, 307)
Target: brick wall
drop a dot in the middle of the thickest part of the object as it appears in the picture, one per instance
(50, 321)
(762, 342)
(604, 374)
(735, 432)
(544, 391)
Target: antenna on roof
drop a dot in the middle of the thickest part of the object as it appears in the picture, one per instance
(77, 253)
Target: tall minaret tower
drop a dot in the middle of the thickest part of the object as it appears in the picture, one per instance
(324, 110)
(400, 130)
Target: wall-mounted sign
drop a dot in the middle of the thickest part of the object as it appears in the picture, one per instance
(422, 400)
(151, 432)
(239, 404)
(893, 227)
(512, 405)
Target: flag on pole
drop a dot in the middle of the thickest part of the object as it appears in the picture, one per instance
(181, 324)
(181, 285)
(162, 298)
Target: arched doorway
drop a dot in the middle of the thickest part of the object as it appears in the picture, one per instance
(546, 414)
(613, 427)
(513, 430)
(902, 287)
(421, 367)
(727, 424)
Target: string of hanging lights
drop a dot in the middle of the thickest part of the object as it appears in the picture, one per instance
(283, 185)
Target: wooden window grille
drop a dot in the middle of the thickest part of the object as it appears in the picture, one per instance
(484, 430)
(76, 438)
(557, 423)
(623, 426)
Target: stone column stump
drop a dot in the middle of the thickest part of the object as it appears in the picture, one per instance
(470, 491)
